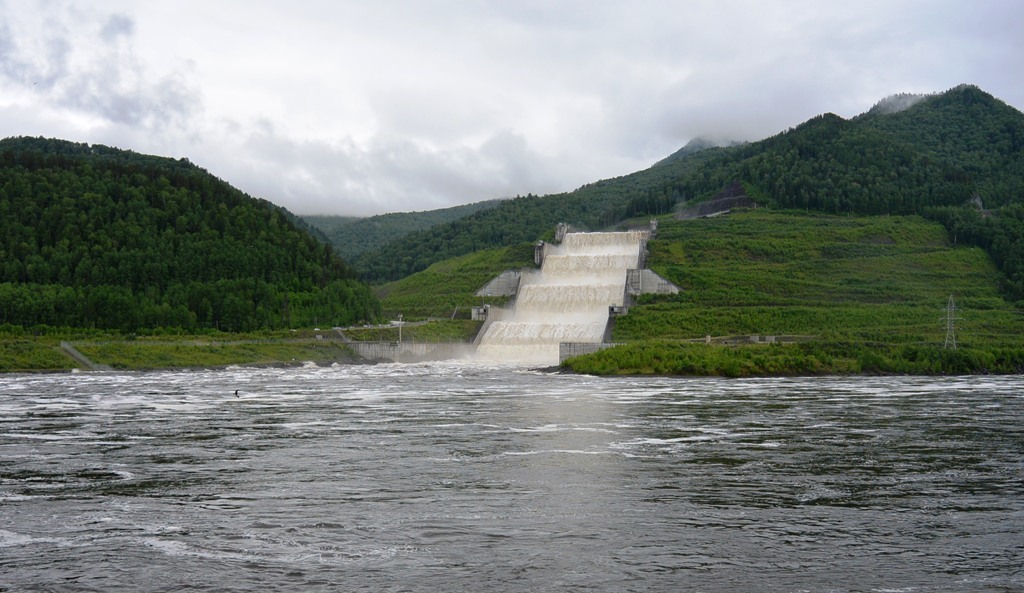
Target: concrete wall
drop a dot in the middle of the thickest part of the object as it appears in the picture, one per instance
(504, 284)
(410, 351)
(647, 282)
(571, 349)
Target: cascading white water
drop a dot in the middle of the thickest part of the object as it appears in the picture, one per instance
(567, 301)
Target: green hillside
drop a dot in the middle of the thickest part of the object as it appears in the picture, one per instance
(929, 159)
(982, 136)
(95, 237)
(351, 237)
(942, 151)
(835, 293)
(525, 219)
(865, 228)
(446, 288)
(855, 294)
(878, 278)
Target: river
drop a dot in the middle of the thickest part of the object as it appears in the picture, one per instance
(458, 477)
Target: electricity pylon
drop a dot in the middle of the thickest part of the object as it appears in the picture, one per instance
(951, 319)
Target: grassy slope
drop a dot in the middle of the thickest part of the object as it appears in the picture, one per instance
(21, 353)
(871, 291)
(450, 284)
(878, 278)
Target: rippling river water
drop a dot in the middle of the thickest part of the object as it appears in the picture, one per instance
(465, 478)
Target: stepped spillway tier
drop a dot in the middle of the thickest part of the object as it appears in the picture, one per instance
(534, 342)
(507, 333)
(566, 301)
(591, 243)
(571, 268)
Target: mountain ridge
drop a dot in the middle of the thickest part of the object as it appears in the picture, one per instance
(929, 157)
(938, 152)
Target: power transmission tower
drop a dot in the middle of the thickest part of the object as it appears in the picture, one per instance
(951, 319)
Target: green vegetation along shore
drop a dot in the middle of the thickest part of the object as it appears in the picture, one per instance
(824, 357)
(55, 351)
(820, 294)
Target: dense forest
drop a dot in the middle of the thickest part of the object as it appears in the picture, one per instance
(939, 156)
(92, 236)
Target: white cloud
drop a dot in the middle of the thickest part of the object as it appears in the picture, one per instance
(355, 107)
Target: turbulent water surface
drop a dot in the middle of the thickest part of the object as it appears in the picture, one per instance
(468, 478)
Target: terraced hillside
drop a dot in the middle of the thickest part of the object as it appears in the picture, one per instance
(858, 294)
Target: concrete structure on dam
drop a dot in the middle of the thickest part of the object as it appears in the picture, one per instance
(410, 351)
(565, 307)
(569, 305)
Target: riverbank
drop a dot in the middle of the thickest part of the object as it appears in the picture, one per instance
(64, 353)
(42, 354)
(664, 357)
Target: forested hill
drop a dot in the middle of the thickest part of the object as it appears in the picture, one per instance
(93, 236)
(353, 236)
(926, 155)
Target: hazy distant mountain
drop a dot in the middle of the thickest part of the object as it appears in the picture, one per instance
(353, 236)
(327, 224)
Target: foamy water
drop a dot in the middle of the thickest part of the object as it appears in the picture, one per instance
(567, 301)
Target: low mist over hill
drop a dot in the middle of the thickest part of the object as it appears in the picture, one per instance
(353, 236)
(928, 155)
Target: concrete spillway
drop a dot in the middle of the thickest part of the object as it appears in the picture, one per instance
(566, 301)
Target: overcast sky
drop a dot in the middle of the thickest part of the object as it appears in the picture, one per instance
(372, 106)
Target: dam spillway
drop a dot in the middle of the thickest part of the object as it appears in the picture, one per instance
(567, 300)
